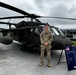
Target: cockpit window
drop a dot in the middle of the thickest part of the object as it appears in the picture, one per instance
(55, 31)
(37, 31)
(40, 29)
(60, 31)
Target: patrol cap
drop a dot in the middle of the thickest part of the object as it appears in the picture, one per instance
(46, 24)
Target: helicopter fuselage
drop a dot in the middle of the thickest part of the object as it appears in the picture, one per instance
(31, 38)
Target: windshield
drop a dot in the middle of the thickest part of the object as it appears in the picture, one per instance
(60, 31)
(55, 31)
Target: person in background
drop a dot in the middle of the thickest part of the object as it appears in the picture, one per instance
(46, 40)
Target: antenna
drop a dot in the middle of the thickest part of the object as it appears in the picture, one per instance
(9, 23)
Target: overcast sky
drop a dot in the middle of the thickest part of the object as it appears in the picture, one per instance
(56, 8)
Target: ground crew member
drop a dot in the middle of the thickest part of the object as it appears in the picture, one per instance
(46, 40)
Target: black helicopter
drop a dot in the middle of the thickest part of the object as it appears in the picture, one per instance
(28, 32)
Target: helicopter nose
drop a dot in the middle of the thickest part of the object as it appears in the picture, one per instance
(62, 36)
(66, 41)
(62, 41)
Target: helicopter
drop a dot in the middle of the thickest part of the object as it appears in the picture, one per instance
(28, 32)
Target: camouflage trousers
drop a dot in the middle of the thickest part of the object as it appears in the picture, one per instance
(43, 49)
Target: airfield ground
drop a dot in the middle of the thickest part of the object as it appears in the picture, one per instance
(15, 62)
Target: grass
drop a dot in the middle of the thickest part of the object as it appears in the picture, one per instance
(74, 43)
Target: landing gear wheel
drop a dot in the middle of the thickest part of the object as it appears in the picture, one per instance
(23, 47)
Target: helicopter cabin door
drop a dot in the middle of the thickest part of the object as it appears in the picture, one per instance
(29, 35)
(36, 36)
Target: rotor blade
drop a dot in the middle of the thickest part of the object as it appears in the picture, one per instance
(30, 25)
(16, 17)
(13, 29)
(57, 17)
(7, 23)
(13, 8)
(28, 14)
(13, 17)
(17, 10)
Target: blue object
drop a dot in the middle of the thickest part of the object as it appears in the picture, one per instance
(71, 57)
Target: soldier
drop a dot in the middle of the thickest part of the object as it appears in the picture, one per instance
(46, 40)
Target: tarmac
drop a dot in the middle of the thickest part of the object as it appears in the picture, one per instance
(13, 61)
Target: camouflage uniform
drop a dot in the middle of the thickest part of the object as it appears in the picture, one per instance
(45, 37)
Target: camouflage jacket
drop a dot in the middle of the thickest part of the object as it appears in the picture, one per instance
(46, 37)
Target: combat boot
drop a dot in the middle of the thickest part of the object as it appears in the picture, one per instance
(49, 65)
(41, 64)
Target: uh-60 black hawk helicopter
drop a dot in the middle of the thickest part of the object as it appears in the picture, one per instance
(28, 32)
